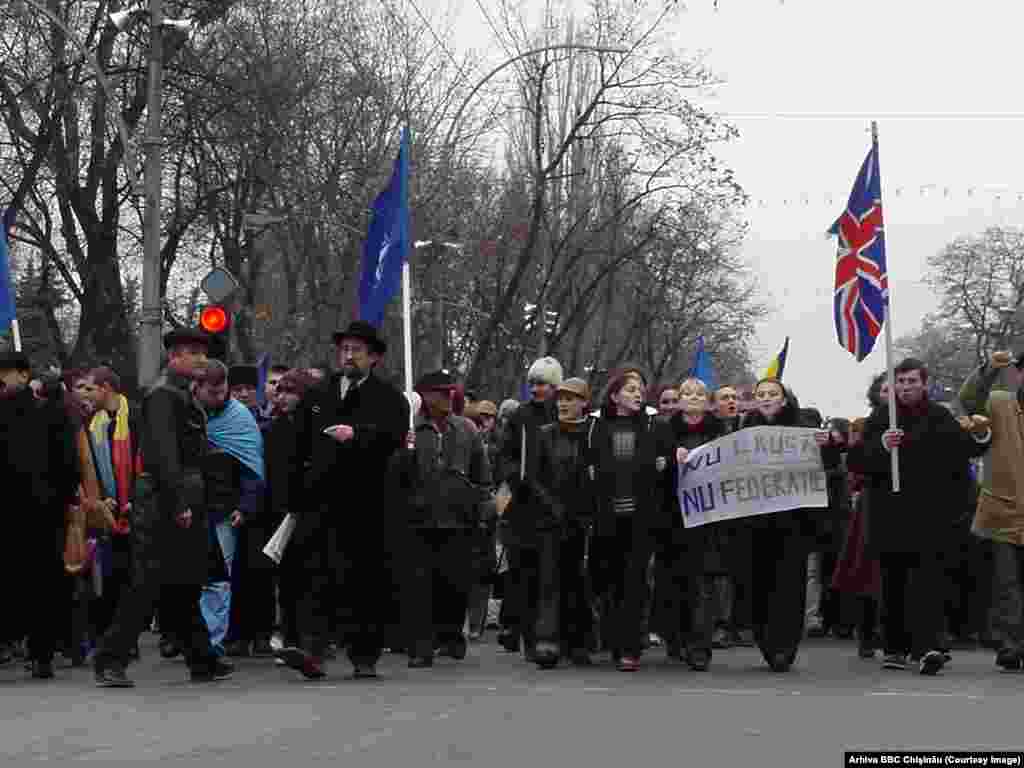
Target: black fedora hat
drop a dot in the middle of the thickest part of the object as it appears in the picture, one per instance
(188, 336)
(358, 329)
(243, 374)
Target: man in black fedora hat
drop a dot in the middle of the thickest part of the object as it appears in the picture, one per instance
(171, 544)
(39, 469)
(348, 427)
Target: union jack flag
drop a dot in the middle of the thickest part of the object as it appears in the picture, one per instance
(862, 282)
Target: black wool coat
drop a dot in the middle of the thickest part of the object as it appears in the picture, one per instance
(934, 480)
(340, 481)
(173, 445)
(39, 468)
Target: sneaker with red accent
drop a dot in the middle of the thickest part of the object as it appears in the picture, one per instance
(629, 664)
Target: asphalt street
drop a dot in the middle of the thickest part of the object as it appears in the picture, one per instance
(494, 710)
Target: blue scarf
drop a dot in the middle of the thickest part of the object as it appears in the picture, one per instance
(234, 431)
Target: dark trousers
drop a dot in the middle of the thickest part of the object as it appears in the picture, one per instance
(778, 588)
(738, 556)
(867, 623)
(354, 580)
(562, 613)
(115, 584)
(682, 590)
(290, 586)
(913, 590)
(1008, 606)
(39, 588)
(180, 620)
(619, 568)
(438, 576)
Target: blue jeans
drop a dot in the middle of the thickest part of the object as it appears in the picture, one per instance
(215, 600)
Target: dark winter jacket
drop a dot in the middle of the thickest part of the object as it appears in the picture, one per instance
(530, 417)
(446, 480)
(653, 441)
(563, 478)
(934, 478)
(39, 468)
(339, 480)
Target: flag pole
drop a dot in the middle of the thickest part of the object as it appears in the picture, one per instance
(890, 365)
(407, 335)
(16, 334)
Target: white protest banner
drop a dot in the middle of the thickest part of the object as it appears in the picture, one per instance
(753, 471)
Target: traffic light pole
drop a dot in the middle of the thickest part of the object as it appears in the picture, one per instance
(150, 343)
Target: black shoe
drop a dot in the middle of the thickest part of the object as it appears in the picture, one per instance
(6, 655)
(42, 670)
(674, 650)
(134, 654)
(213, 672)
(743, 638)
(509, 641)
(931, 663)
(817, 631)
(110, 675)
(1010, 660)
(545, 655)
(169, 649)
(865, 652)
(895, 661)
(720, 639)
(239, 649)
(780, 662)
(262, 648)
(364, 672)
(698, 660)
(421, 662)
(456, 649)
(581, 659)
(331, 652)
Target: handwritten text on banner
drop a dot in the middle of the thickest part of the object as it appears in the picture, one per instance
(754, 471)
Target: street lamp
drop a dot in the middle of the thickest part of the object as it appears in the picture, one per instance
(151, 321)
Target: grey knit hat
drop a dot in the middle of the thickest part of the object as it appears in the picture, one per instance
(546, 370)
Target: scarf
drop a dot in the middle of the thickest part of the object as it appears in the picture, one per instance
(113, 457)
(234, 431)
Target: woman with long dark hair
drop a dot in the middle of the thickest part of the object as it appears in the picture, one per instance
(629, 453)
(780, 543)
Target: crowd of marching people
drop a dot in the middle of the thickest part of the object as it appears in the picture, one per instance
(401, 522)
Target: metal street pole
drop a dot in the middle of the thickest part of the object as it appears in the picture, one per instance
(150, 342)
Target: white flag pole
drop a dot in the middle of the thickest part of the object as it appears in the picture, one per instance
(889, 363)
(407, 336)
(16, 335)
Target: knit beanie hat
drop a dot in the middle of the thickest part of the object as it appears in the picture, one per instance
(546, 370)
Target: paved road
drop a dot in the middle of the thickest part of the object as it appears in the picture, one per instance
(494, 710)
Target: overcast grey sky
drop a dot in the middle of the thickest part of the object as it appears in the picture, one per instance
(803, 79)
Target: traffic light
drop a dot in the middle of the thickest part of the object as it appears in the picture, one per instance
(214, 319)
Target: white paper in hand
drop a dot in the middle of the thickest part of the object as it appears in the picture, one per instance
(276, 546)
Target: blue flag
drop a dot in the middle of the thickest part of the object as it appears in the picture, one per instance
(7, 306)
(387, 242)
(262, 367)
(702, 368)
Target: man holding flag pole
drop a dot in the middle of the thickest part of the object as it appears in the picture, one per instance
(914, 455)
(348, 429)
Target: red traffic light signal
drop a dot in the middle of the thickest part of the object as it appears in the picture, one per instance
(214, 319)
